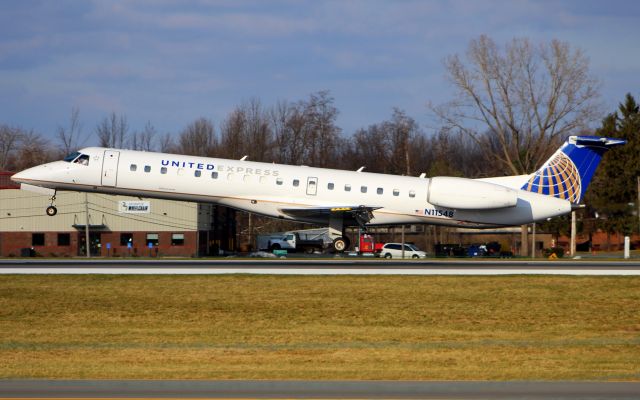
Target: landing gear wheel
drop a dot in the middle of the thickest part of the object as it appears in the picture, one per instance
(51, 211)
(340, 244)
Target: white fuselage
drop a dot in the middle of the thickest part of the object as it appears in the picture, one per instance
(267, 189)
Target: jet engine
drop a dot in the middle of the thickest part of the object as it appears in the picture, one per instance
(469, 194)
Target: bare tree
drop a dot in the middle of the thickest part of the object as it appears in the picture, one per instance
(112, 131)
(528, 97)
(143, 140)
(289, 125)
(10, 138)
(402, 129)
(167, 144)
(70, 137)
(322, 132)
(198, 139)
(33, 150)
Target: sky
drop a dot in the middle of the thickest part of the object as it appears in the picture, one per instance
(170, 62)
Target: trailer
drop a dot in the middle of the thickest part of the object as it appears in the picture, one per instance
(306, 240)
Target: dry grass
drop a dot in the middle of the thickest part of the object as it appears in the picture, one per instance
(290, 327)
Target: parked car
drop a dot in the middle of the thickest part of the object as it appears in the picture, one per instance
(394, 250)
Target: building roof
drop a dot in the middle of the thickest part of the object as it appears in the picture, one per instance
(6, 182)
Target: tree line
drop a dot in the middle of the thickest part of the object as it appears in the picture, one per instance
(303, 132)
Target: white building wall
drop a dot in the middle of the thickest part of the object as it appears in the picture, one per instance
(25, 211)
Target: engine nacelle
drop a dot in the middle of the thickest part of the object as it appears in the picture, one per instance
(469, 194)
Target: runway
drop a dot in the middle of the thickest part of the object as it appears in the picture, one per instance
(267, 389)
(319, 267)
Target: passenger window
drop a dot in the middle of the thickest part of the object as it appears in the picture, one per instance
(296, 182)
(380, 191)
(363, 189)
(147, 168)
(396, 192)
(246, 178)
(279, 181)
(163, 170)
(347, 188)
(214, 175)
(263, 179)
(133, 167)
(412, 193)
(330, 186)
(197, 173)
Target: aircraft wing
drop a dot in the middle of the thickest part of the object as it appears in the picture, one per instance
(352, 215)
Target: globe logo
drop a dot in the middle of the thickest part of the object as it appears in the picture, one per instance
(558, 178)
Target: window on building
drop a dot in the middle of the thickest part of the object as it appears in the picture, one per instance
(64, 239)
(37, 239)
(412, 193)
(147, 168)
(126, 238)
(197, 173)
(396, 192)
(380, 190)
(330, 186)
(177, 239)
(163, 170)
(153, 239)
(347, 188)
(214, 175)
(296, 182)
(363, 189)
(133, 167)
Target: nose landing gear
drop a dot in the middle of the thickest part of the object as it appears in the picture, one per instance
(52, 210)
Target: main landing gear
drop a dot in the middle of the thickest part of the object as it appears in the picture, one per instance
(360, 215)
(52, 210)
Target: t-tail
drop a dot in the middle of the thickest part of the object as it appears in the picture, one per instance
(568, 172)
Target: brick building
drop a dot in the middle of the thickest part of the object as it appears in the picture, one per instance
(118, 225)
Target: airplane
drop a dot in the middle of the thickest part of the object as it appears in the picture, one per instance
(336, 198)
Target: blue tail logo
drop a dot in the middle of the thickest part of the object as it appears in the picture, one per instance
(567, 174)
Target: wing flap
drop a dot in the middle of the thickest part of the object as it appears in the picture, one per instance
(358, 214)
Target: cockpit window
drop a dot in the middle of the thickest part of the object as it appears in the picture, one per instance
(83, 159)
(72, 156)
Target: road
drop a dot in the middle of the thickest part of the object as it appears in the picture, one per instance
(151, 389)
(318, 267)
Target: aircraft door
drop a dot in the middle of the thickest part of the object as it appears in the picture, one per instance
(110, 168)
(312, 186)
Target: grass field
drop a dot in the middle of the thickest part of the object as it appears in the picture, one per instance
(327, 327)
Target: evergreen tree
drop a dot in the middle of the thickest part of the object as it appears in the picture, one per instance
(614, 192)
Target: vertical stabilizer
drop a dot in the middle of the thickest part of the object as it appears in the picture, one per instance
(567, 174)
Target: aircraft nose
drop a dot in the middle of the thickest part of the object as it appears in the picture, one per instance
(19, 177)
(25, 176)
